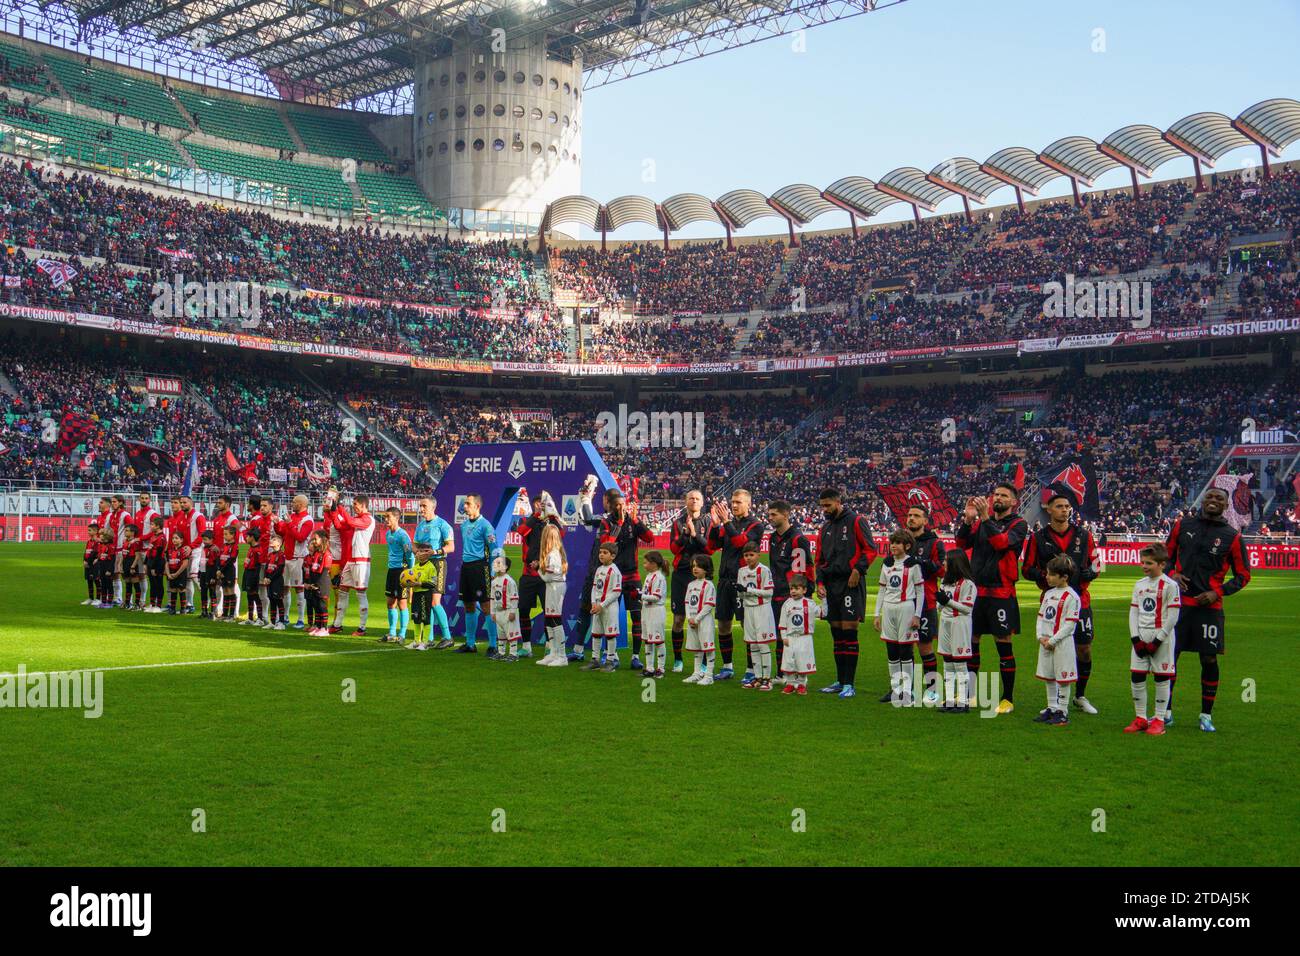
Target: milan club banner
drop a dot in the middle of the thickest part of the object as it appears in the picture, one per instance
(1239, 498)
(148, 459)
(749, 366)
(162, 385)
(1078, 478)
(924, 492)
(499, 474)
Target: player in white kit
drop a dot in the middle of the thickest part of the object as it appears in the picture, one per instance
(355, 531)
(701, 599)
(956, 600)
(1057, 616)
(606, 588)
(755, 585)
(900, 602)
(552, 567)
(503, 605)
(798, 622)
(1152, 615)
(654, 616)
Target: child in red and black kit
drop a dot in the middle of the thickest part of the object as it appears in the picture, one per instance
(227, 567)
(316, 580)
(105, 555)
(273, 579)
(208, 576)
(178, 571)
(155, 562)
(88, 558)
(132, 592)
(253, 577)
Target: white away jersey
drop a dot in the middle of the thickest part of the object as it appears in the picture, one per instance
(606, 584)
(900, 584)
(1154, 607)
(1058, 614)
(505, 594)
(759, 582)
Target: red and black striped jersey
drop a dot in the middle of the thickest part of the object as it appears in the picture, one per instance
(685, 545)
(790, 554)
(1204, 549)
(730, 538)
(928, 551)
(1076, 544)
(995, 545)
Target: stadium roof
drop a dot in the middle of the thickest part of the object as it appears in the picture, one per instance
(342, 51)
(1272, 125)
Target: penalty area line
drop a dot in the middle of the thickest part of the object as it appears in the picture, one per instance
(223, 660)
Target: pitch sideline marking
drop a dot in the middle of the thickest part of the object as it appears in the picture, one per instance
(224, 660)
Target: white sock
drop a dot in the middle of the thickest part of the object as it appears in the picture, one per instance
(908, 669)
(896, 677)
(344, 597)
(1140, 698)
(363, 602)
(117, 589)
(963, 683)
(708, 662)
(1063, 698)
(238, 595)
(1051, 694)
(1162, 697)
(266, 602)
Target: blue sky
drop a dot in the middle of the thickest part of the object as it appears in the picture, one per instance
(917, 83)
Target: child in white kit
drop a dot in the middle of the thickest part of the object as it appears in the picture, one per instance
(1152, 615)
(900, 602)
(755, 586)
(798, 621)
(504, 606)
(956, 599)
(701, 598)
(654, 617)
(552, 567)
(606, 589)
(1057, 616)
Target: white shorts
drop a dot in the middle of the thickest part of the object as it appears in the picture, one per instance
(197, 562)
(553, 603)
(955, 636)
(699, 637)
(654, 618)
(605, 622)
(798, 658)
(293, 573)
(1058, 664)
(355, 576)
(760, 627)
(1160, 663)
(506, 628)
(896, 624)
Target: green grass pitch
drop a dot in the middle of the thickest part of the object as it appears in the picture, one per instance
(588, 772)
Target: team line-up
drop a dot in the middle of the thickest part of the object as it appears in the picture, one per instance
(926, 594)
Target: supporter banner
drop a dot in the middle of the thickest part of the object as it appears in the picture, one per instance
(13, 282)
(148, 459)
(925, 492)
(976, 347)
(352, 352)
(206, 336)
(458, 365)
(1256, 327)
(897, 354)
(279, 475)
(1239, 498)
(849, 359)
(34, 314)
(805, 362)
(1094, 341)
(162, 385)
(530, 414)
(1037, 345)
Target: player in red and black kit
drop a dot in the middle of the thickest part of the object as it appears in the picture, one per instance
(88, 559)
(624, 530)
(227, 565)
(1061, 536)
(732, 530)
(845, 550)
(688, 536)
(789, 552)
(929, 553)
(532, 589)
(995, 534)
(155, 562)
(1202, 549)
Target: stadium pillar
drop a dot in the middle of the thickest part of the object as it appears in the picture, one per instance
(916, 213)
(1137, 193)
(602, 238)
(1263, 158)
(1200, 180)
(1020, 200)
(1074, 187)
(727, 227)
(965, 204)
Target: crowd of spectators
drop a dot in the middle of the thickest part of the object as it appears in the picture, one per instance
(631, 340)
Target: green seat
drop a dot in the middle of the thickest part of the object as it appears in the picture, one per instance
(394, 196)
(340, 133)
(19, 57)
(277, 181)
(75, 137)
(135, 95)
(237, 121)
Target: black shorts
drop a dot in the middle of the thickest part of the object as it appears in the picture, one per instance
(422, 606)
(730, 607)
(532, 591)
(997, 616)
(393, 583)
(929, 629)
(1083, 630)
(474, 582)
(1199, 630)
(632, 594)
(845, 605)
(227, 575)
(682, 579)
(252, 579)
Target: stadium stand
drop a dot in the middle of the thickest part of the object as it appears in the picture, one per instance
(236, 120)
(22, 71)
(338, 133)
(138, 95)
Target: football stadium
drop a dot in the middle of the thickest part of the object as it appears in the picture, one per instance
(357, 381)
